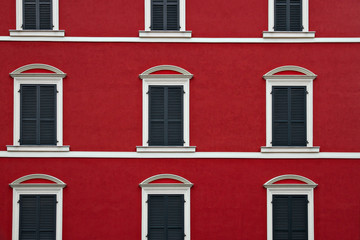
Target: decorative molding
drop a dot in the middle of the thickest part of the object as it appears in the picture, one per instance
(305, 180)
(37, 148)
(273, 34)
(165, 68)
(165, 176)
(156, 149)
(20, 180)
(20, 71)
(212, 155)
(290, 68)
(165, 34)
(215, 40)
(37, 33)
(290, 149)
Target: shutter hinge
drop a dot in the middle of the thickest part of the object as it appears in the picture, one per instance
(19, 140)
(18, 201)
(57, 202)
(147, 92)
(57, 91)
(22, 26)
(148, 141)
(57, 141)
(147, 235)
(184, 235)
(147, 201)
(184, 201)
(183, 141)
(308, 201)
(183, 92)
(271, 201)
(19, 91)
(307, 92)
(302, 27)
(271, 142)
(271, 92)
(307, 142)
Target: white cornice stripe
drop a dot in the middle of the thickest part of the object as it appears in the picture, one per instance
(182, 40)
(220, 155)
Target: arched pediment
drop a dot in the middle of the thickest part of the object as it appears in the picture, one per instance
(21, 70)
(20, 180)
(306, 181)
(290, 68)
(183, 181)
(182, 72)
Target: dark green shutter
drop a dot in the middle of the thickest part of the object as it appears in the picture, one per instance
(165, 217)
(289, 116)
(38, 115)
(290, 217)
(165, 15)
(166, 116)
(37, 14)
(37, 219)
(288, 15)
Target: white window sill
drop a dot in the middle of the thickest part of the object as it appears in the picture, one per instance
(37, 33)
(165, 34)
(290, 149)
(37, 148)
(161, 149)
(273, 34)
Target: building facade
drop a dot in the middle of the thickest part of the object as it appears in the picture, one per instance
(179, 120)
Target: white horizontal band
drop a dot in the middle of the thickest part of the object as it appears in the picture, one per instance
(220, 155)
(183, 40)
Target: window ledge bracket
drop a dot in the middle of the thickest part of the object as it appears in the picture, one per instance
(165, 149)
(290, 149)
(37, 33)
(36, 148)
(165, 34)
(278, 34)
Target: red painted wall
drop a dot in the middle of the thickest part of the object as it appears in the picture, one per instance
(102, 199)
(103, 94)
(206, 18)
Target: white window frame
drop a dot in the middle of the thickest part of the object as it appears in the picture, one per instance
(182, 79)
(38, 78)
(305, 80)
(271, 33)
(20, 188)
(165, 33)
(182, 188)
(290, 189)
(19, 32)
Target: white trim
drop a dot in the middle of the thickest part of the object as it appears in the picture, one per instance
(290, 80)
(40, 78)
(181, 15)
(272, 34)
(165, 34)
(37, 148)
(217, 40)
(48, 188)
(182, 79)
(165, 188)
(37, 33)
(290, 189)
(305, 15)
(212, 155)
(290, 149)
(19, 14)
(156, 149)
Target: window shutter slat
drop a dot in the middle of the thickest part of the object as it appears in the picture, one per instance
(165, 217)
(48, 115)
(289, 116)
(28, 114)
(288, 15)
(165, 15)
(29, 15)
(45, 15)
(37, 14)
(172, 15)
(295, 15)
(157, 15)
(280, 15)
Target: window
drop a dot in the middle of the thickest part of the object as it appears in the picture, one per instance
(37, 18)
(288, 19)
(37, 208)
(290, 208)
(38, 109)
(165, 18)
(165, 208)
(289, 114)
(166, 110)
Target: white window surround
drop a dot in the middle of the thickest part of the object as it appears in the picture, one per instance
(290, 189)
(291, 34)
(19, 32)
(20, 188)
(165, 188)
(167, 34)
(182, 79)
(290, 80)
(38, 78)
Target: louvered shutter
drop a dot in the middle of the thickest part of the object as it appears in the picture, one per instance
(290, 217)
(38, 115)
(288, 15)
(165, 15)
(37, 14)
(289, 116)
(165, 217)
(166, 116)
(37, 217)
